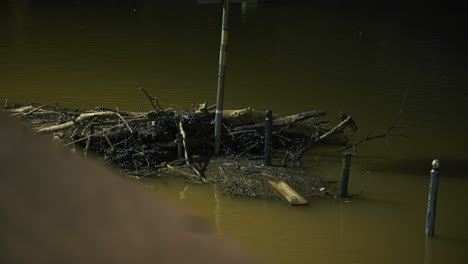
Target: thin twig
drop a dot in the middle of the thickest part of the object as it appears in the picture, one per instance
(385, 135)
(184, 141)
(103, 131)
(95, 134)
(125, 122)
(180, 171)
(303, 148)
(416, 123)
(34, 110)
(369, 138)
(335, 128)
(153, 100)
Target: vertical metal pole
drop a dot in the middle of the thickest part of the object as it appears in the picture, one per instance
(268, 120)
(345, 175)
(221, 75)
(432, 199)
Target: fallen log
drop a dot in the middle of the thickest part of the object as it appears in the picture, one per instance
(81, 118)
(246, 116)
(289, 193)
(285, 121)
(299, 129)
(34, 110)
(55, 128)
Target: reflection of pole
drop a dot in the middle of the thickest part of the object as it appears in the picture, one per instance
(345, 175)
(427, 251)
(244, 11)
(221, 72)
(432, 200)
(217, 210)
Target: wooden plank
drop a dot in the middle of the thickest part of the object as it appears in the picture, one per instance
(289, 193)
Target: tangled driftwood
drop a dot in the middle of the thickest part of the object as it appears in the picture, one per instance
(145, 142)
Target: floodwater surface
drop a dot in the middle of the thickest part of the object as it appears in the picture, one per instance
(376, 62)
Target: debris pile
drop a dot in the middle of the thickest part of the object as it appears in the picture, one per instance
(163, 139)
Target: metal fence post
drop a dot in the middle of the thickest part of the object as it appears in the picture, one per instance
(221, 73)
(432, 199)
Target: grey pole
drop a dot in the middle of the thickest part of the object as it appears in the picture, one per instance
(221, 75)
(345, 175)
(432, 199)
(268, 120)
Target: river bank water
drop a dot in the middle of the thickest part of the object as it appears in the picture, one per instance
(358, 57)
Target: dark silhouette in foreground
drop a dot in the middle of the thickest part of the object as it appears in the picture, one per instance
(56, 207)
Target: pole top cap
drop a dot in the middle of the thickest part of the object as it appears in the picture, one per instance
(435, 164)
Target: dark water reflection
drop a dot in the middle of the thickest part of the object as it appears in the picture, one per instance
(355, 56)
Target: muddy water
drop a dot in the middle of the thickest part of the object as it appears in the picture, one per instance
(289, 57)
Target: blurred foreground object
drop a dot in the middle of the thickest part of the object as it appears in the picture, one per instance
(56, 207)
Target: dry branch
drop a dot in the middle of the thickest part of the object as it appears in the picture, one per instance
(285, 121)
(34, 110)
(184, 140)
(180, 171)
(340, 125)
(84, 117)
(55, 128)
(387, 134)
(153, 100)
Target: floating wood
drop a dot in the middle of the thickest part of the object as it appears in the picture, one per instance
(140, 142)
(289, 193)
(143, 143)
(81, 118)
(246, 116)
(285, 121)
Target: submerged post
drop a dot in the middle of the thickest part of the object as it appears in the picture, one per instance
(267, 158)
(345, 175)
(221, 73)
(432, 199)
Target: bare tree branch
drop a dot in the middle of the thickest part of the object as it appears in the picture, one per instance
(387, 134)
(153, 100)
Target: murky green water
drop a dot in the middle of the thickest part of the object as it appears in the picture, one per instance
(354, 56)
